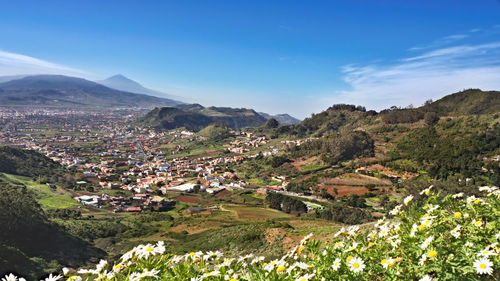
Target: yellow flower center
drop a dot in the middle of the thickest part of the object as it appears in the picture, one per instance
(477, 201)
(149, 249)
(355, 265)
(349, 258)
(478, 223)
(281, 268)
(457, 215)
(384, 261)
(301, 248)
(483, 266)
(433, 254)
(118, 266)
(192, 253)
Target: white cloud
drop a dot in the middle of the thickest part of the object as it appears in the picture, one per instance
(443, 41)
(415, 79)
(15, 64)
(455, 51)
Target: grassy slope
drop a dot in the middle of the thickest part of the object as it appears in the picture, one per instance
(45, 196)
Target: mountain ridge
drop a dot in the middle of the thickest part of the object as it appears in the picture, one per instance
(66, 91)
(122, 83)
(283, 119)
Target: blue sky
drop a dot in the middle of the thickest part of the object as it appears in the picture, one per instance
(297, 57)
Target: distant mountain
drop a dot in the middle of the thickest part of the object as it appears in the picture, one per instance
(197, 117)
(64, 91)
(122, 83)
(10, 78)
(283, 119)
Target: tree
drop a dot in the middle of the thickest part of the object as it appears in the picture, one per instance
(277, 161)
(271, 123)
(431, 118)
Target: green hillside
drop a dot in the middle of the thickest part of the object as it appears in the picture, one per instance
(471, 101)
(196, 117)
(26, 163)
(29, 243)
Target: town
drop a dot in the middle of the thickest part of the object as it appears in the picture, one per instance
(107, 155)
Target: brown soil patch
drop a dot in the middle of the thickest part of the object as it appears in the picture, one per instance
(355, 180)
(296, 163)
(224, 193)
(286, 242)
(377, 214)
(389, 172)
(343, 190)
(190, 229)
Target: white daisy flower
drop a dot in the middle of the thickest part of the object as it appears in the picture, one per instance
(150, 273)
(128, 255)
(456, 231)
(356, 265)
(425, 278)
(387, 262)
(53, 277)
(101, 265)
(485, 188)
(483, 266)
(426, 242)
(407, 199)
(426, 191)
(383, 231)
(10, 277)
(342, 230)
(352, 230)
(396, 210)
(336, 264)
(414, 229)
(486, 252)
(305, 277)
(422, 260)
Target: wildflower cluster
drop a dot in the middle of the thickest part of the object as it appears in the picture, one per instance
(455, 238)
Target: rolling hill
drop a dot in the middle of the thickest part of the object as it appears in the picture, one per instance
(197, 117)
(283, 119)
(471, 101)
(64, 91)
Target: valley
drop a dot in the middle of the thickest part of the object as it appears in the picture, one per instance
(111, 181)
